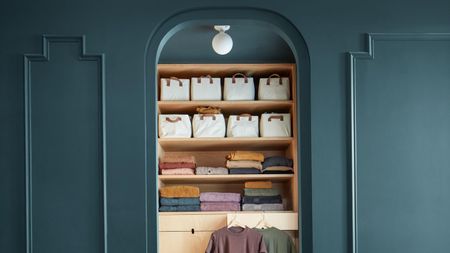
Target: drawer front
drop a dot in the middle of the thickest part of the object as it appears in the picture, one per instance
(185, 223)
(280, 220)
(186, 242)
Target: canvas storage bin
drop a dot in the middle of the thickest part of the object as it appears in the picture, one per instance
(206, 88)
(174, 89)
(244, 125)
(275, 125)
(208, 125)
(239, 88)
(274, 88)
(174, 126)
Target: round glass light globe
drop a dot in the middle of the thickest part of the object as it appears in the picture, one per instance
(222, 43)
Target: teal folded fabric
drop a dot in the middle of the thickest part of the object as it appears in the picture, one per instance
(179, 208)
(179, 201)
(261, 192)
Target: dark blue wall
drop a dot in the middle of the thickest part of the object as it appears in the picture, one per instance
(121, 29)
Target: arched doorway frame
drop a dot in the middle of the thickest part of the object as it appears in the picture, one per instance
(221, 15)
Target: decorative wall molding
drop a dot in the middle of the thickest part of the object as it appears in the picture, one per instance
(371, 38)
(47, 40)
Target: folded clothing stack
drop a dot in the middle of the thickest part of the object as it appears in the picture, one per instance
(245, 162)
(211, 170)
(277, 165)
(220, 201)
(179, 198)
(172, 164)
(260, 196)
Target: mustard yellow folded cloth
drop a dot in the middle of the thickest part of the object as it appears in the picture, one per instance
(258, 185)
(246, 155)
(278, 168)
(179, 191)
(243, 164)
(177, 158)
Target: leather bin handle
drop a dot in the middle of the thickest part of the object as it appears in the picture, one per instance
(239, 74)
(244, 115)
(273, 76)
(199, 79)
(173, 120)
(280, 117)
(173, 78)
(207, 115)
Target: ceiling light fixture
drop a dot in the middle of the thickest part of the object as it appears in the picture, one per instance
(222, 42)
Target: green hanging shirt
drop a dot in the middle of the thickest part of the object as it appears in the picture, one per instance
(277, 241)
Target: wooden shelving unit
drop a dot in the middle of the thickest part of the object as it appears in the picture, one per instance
(177, 226)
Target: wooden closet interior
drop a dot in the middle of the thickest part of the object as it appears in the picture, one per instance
(190, 231)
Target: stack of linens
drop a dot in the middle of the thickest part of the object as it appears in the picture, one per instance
(277, 165)
(173, 164)
(245, 162)
(220, 201)
(179, 198)
(260, 196)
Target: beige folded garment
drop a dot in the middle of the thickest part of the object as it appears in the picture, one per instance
(243, 164)
(278, 168)
(246, 155)
(179, 191)
(177, 158)
(179, 171)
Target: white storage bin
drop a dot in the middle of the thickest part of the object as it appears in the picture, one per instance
(274, 88)
(174, 126)
(244, 125)
(174, 89)
(208, 125)
(239, 88)
(275, 125)
(206, 88)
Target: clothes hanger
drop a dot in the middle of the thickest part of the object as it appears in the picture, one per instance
(263, 223)
(235, 223)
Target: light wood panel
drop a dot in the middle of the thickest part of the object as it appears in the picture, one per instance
(217, 144)
(180, 179)
(282, 221)
(176, 222)
(186, 242)
(228, 107)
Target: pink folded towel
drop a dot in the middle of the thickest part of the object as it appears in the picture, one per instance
(220, 206)
(180, 171)
(220, 197)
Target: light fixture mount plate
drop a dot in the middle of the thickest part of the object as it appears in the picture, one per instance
(222, 28)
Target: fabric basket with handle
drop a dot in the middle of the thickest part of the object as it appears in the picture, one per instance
(244, 125)
(239, 88)
(275, 125)
(173, 88)
(174, 126)
(274, 88)
(208, 125)
(206, 88)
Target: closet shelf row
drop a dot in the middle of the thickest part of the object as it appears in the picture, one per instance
(228, 107)
(202, 179)
(226, 143)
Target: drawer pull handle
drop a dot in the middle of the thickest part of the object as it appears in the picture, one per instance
(192, 231)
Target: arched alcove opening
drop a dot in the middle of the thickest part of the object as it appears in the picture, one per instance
(293, 38)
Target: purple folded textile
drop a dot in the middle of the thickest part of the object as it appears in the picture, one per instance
(220, 197)
(220, 206)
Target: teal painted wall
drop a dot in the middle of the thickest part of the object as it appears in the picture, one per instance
(121, 29)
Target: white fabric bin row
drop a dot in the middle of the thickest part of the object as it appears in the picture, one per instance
(213, 125)
(237, 87)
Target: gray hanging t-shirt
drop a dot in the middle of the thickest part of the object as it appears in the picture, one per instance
(236, 240)
(277, 241)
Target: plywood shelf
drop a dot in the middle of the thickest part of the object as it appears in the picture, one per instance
(208, 179)
(218, 144)
(228, 107)
(224, 212)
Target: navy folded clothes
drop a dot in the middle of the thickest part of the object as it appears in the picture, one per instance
(278, 171)
(262, 199)
(179, 201)
(179, 208)
(277, 161)
(245, 171)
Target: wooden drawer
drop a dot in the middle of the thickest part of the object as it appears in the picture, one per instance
(186, 242)
(280, 220)
(187, 222)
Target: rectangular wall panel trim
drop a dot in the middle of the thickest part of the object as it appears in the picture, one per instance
(353, 58)
(28, 59)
